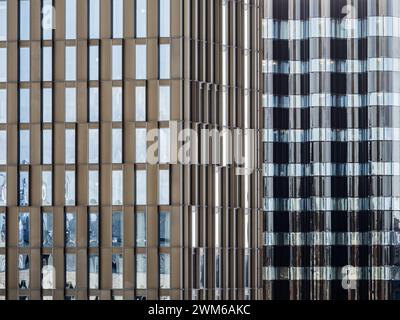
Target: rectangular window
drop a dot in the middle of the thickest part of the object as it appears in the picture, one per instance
(47, 105)
(117, 187)
(70, 270)
(3, 147)
(3, 64)
(24, 188)
(165, 61)
(70, 19)
(94, 19)
(141, 18)
(164, 103)
(69, 188)
(141, 145)
(117, 229)
(165, 229)
(48, 19)
(140, 102)
(116, 104)
(70, 146)
(3, 189)
(23, 271)
(164, 145)
(165, 273)
(117, 145)
(23, 229)
(141, 271)
(165, 17)
(117, 271)
(24, 147)
(47, 64)
(24, 64)
(141, 62)
(3, 105)
(93, 104)
(163, 187)
(2, 271)
(141, 229)
(24, 19)
(117, 62)
(118, 18)
(70, 229)
(93, 187)
(47, 230)
(141, 187)
(93, 271)
(24, 105)
(93, 144)
(93, 63)
(47, 147)
(93, 230)
(70, 104)
(3, 230)
(47, 188)
(70, 63)
(48, 273)
(3, 20)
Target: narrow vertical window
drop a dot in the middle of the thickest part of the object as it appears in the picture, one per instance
(118, 18)
(117, 62)
(24, 64)
(165, 273)
(3, 147)
(48, 273)
(93, 63)
(23, 229)
(3, 105)
(117, 229)
(141, 229)
(24, 146)
(141, 271)
(3, 230)
(141, 62)
(70, 63)
(48, 19)
(141, 18)
(93, 271)
(141, 187)
(141, 144)
(24, 188)
(164, 103)
(116, 145)
(117, 271)
(70, 270)
(70, 229)
(3, 20)
(164, 145)
(24, 105)
(140, 103)
(23, 271)
(47, 147)
(3, 189)
(47, 105)
(93, 144)
(116, 104)
(93, 104)
(165, 229)
(70, 146)
(69, 188)
(24, 19)
(163, 187)
(47, 64)
(165, 18)
(2, 271)
(93, 229)
(70, 104)
(94, 19)
(3, 64)
(165, 61)
(117, 187)
(70, 19)
(47, 230)
(47, 188)
(93, 187)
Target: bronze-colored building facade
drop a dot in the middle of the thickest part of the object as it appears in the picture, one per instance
(83, 212)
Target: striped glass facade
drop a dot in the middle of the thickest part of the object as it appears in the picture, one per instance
(331, 136)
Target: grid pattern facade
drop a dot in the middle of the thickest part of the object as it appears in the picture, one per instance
(331, 149)
(83, 214)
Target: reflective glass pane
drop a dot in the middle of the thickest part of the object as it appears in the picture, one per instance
(70, 63)
(118, 18)
(165, 229)
(47, 105)
(3, 147)
(70, 104)
(24, 19)
(47, 148)
(117, 187)
(47, 188)
(140, 229)
(70, 19)
(93, 144)
(70, 229)
(2, 271)
(117, 271)
(3, 64)
(163, 188)
(70, 146)
(3, 20)
(24, 64)
(23, 229)
(23, 271)
(24, 146)
(93, 104)
(24, 105)
(93, 271)
(3, 230)
(48, 272)
(3, 105)
(116, 104)
(70, 270)
(116, 62)
(117, 145)
(164, 103)
(117, 229)
(94, 63)
(3, 188)
(93, 230)
(165, 17)
(165, 271)
(140, 102)
(141, 145)
(94, 19)
(69, 188)
(141, 18)
(47, 64)
(165, 61)
(93, 187)
(141, 187)
(23, 188)
(141, 61)
(47, 230)
(141, 271)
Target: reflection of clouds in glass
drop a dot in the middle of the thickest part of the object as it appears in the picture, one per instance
(70, 229)
(3, 189)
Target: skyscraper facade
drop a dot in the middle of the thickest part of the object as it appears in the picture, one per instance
(331, 149)
(84, 213)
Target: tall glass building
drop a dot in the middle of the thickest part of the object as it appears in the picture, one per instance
(84, 214)
(331, 106)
